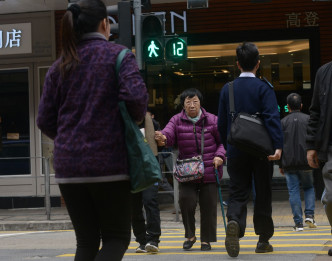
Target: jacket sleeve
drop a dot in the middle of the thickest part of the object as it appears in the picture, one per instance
(47, 110)
(272, 117)
(220, 152)
(170, 132)
(314, 110)
(222, 117)
(132, 88)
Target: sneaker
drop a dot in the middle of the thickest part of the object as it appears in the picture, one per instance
(141, 249)
(309, 220)
(152, 247)
(232, 239)
(263, 247)
(298, 227)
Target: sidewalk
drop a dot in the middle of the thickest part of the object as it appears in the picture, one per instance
(36, 219)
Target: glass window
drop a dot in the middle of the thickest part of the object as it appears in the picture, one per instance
(284, 63)
(14, 122)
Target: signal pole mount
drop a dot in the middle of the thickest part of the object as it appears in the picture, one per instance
(138, 34)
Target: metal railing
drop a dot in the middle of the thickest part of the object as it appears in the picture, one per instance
(167, 161)
(47, 183)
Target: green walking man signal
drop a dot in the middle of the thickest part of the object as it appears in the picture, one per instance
(152, 49)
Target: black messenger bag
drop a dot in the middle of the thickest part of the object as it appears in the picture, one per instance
(248, 132)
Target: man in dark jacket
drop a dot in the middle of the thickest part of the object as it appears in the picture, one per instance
(319, 133)
(251, 95)
(294, 164)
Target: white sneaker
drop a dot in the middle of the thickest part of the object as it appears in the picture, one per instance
(298, 227)
(152, 247)
(310, 222)
(141, 249)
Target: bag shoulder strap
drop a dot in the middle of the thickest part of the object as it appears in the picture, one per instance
(231, 99)
(202, 138)
(119, 59)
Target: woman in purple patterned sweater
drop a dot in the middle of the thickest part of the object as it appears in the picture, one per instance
(79, 110)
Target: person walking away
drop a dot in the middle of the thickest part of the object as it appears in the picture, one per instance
(147, 232)
(251, 95)
(79, 110)
(294, 164)
(185, 130)
(319, 133)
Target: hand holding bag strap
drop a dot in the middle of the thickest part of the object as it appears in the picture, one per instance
(231, 99)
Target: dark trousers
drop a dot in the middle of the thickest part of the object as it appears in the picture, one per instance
(241, 170)
(99, 212)
(206, 194)
(148, 231)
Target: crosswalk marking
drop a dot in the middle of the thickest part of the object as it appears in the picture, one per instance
(317, 252)
(284, 241)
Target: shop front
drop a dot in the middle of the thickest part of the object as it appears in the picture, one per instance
(294, 39)
(27, 49)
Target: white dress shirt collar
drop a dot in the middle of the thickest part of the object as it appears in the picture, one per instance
(247, 74)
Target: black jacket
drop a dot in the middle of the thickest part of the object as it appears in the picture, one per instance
(319, 126)
(294, 154)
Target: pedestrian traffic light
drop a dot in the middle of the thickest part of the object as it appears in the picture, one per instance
(176, 48)
(152, 31)
(123, 27)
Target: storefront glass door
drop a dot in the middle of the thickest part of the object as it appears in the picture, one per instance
(14, 122)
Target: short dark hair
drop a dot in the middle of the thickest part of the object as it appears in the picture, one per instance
(247, 56)
(190, 93)
(294, 101)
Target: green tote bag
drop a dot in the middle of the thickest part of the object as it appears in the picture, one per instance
(144, 169)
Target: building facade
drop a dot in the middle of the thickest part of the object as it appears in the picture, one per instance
(294, 39)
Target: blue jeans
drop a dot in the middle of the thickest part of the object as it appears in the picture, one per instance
(293, 179)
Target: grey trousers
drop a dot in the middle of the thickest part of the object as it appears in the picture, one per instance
(327, 194)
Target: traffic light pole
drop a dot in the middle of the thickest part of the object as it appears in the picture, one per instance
(138, 33)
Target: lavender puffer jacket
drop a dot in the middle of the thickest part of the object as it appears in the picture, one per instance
(180, 131)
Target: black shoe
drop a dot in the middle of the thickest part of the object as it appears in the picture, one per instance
(152, 247)
(263, 247)
(188, 244)
(330, 252)
(232, 239)
(205, 247)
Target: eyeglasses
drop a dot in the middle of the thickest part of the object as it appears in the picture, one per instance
(194, 102)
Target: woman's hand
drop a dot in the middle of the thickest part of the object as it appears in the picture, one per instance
(160, 138)
(217, 161)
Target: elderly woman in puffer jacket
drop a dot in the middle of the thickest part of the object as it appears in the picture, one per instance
(180, 131)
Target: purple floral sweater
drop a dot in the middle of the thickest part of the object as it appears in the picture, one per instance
(81, 113)
(179, 131)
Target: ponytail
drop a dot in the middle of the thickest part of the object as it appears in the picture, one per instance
(69, 40)
(79, 19)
